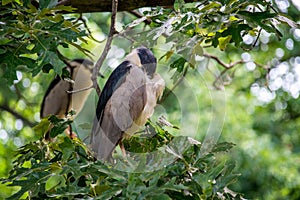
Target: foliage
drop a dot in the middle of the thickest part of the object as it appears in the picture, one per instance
(262, 116)
(30, 37)
(66, 168)
(190, 27)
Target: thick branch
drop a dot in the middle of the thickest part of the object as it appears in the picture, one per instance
(107, 47)
(6, 108)
(123, 5)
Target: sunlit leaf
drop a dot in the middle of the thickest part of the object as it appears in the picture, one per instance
(223, 41)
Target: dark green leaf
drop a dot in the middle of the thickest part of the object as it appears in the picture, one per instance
(178, 64)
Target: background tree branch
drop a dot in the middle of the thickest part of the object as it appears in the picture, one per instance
(123, 5)
(17, 115)
(107, 47)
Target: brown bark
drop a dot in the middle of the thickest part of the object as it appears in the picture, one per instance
(85, 6)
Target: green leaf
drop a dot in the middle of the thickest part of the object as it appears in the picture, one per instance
(42, 127)
(55, 181)
(10, 62)
(83, 50)
(5, 2)
(212, 5)
(9, 73)
(4, 41)
(223, 41)
(257, 16)
(19, 194)
(60, 125)
(53, 59)
(63, 8)
(223, 146)
(178, 4)
(171, 185)
(196, 51)
(109, 194)
(160, 197)
(67, 148)
(178, 64)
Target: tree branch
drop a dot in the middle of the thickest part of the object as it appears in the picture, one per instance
(139, 15)
(107, 47)
(6, 108)
(123, 5)
(226, 66)
(79, 90)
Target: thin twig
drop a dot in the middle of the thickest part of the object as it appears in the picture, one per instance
(80, 90)
(63, 2)
(87, 28)
(6, 108)
(258, 35)
(266, 67)
(139, 15)
(65, 60)
(107, 47)
(226, 66)
(122, 34)
(219, 79)
(230, 65)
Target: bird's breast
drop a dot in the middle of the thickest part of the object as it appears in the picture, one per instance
(153, 90)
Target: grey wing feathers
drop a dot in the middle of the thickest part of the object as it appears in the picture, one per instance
(104, 142)
(56, 101)
(118, 113)
(114, 81)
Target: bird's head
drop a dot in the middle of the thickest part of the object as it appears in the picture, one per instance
(144, 58)
(87, 64)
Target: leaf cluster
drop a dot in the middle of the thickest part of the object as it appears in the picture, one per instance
(65, 168)
(188, 28)
(218, 23)
(30, 36)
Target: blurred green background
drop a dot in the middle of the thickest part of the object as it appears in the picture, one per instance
(259, 110)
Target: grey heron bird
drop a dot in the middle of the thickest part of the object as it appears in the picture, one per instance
(127, 100)
(59, 99)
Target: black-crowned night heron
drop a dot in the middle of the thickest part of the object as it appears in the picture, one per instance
(126, 102)
(63, 96)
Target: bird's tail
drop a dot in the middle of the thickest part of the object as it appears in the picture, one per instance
(102, 145)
